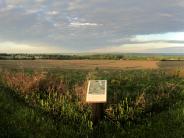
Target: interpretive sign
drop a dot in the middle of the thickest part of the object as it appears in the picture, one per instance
(97, 91)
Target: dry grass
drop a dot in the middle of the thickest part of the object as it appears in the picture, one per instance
(26, 84)
(78, 64)
(22, 82)
(81, 92)
(141, 101)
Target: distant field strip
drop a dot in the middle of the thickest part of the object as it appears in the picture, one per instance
(78, 64)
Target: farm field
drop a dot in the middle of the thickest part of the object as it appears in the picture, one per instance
(43, 98)
(78, 64)
(90, 64)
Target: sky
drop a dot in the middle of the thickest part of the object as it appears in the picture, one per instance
(101, 26)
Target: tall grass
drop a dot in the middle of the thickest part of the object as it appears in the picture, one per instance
(49, 93)
(133, 97)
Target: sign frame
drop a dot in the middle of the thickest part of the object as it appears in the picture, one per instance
(96, 98)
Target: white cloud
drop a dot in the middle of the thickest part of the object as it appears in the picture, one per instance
(7, 8)
(53, 13)
(165, 15)
(80, 24)
(138, 48)
(74, 5)
(10, 6)
(40, 0)
(172, 36)
(33, 11)
(11, 47)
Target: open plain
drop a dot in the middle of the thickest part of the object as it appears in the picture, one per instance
(79, 64)
(46, 98)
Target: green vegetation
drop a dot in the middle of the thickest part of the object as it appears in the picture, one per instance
(110, 56)
(20, 120)
(171, 64)
(141, 103)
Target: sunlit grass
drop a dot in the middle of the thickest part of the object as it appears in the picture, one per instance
(140, 103)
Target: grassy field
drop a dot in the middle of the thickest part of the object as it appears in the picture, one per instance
(78, 64)
(37, 100)
(89, 64)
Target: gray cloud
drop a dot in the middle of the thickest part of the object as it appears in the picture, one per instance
(85, 25)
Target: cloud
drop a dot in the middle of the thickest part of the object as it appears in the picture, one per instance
(165, 15)
(142, 48)
(74, 5)
(33, 11)
(79, 24)
(2, 4)
(168, 50)
(53, 13)
(11, 47)
(40, 1)
(172, 36)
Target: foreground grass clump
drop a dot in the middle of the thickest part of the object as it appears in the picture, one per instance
(18, 120)
(135, 98)
(53, 96)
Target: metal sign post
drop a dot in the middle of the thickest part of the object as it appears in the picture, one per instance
(97, 96)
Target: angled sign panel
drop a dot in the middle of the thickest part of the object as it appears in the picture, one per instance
(97, 91)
